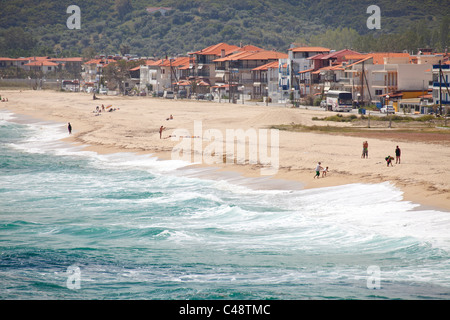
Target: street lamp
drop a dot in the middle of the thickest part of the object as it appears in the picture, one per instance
(293, 97)
(267, 96)
(387, 109)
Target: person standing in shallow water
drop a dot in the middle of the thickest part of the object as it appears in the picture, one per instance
(69, 127)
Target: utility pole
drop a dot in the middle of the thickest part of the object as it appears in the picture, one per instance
(440, 88)
(362, 83)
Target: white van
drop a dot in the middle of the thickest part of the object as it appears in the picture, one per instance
(168, 94)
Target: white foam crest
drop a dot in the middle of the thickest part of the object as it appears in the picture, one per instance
(375, 209)
(242, 189)
(6, 116)
(128, 160)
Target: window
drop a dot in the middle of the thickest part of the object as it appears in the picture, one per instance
(378, 92)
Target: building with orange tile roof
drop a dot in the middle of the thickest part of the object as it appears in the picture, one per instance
(378, 74)
(44, 66)
(297, 61)
(201, 64)
(265, 81)
(237, 67)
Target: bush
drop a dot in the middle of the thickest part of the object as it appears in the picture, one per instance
(425, 118)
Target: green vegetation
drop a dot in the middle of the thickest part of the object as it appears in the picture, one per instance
(29, 27)
(360, 130)
(394, 118)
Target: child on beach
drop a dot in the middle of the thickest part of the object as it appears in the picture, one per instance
(389, 161)
(324, 172)
(318, 168)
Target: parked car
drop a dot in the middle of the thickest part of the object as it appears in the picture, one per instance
(323, 103)
(168, 94)
(209, 96)
(182, 94)
(387, 109)
(103, 91)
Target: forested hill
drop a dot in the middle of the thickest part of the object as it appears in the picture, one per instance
(30, 27)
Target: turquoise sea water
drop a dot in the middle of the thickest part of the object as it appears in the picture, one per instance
(133, 227)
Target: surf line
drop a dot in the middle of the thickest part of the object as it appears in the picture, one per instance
(237, 147)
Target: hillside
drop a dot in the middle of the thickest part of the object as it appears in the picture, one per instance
(30, 27)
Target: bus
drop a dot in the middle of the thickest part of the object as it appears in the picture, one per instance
(339, 100)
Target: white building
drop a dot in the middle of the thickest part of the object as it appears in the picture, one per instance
(297, 61)
(441, 84)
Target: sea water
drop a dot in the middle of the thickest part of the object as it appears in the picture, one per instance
(79, 225)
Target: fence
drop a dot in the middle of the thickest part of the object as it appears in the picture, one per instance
(30, 84)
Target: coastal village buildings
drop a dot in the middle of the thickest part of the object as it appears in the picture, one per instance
(238, 67)
(43, 64)
(411, 83)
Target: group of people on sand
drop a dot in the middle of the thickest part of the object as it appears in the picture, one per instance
(4, 99)
(365, 154)
(389, 158)
(101, 109)
(162, 128)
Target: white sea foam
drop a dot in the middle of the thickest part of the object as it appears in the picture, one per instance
(6, 116)
(343, 215)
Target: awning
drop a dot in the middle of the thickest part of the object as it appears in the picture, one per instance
(306, 71)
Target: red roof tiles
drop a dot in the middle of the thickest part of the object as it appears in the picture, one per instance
(310, 49)
(217, 49)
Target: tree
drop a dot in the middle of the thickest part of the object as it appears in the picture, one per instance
(17, 42)
(119, 71)
(88, 53)
(124, 49)
(444, 30)
(123, 7)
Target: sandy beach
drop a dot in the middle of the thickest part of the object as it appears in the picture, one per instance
(423, 174)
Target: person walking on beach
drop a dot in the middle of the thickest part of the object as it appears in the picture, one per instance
(69, 127)
(318, 168)
(365, 152)
(161, 129)
(398, 152)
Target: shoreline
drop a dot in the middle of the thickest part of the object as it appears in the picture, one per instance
(89, 135)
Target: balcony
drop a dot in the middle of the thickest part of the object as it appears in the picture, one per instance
(345, 80)
(443, 84)
(203, 74)
(247, 81)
